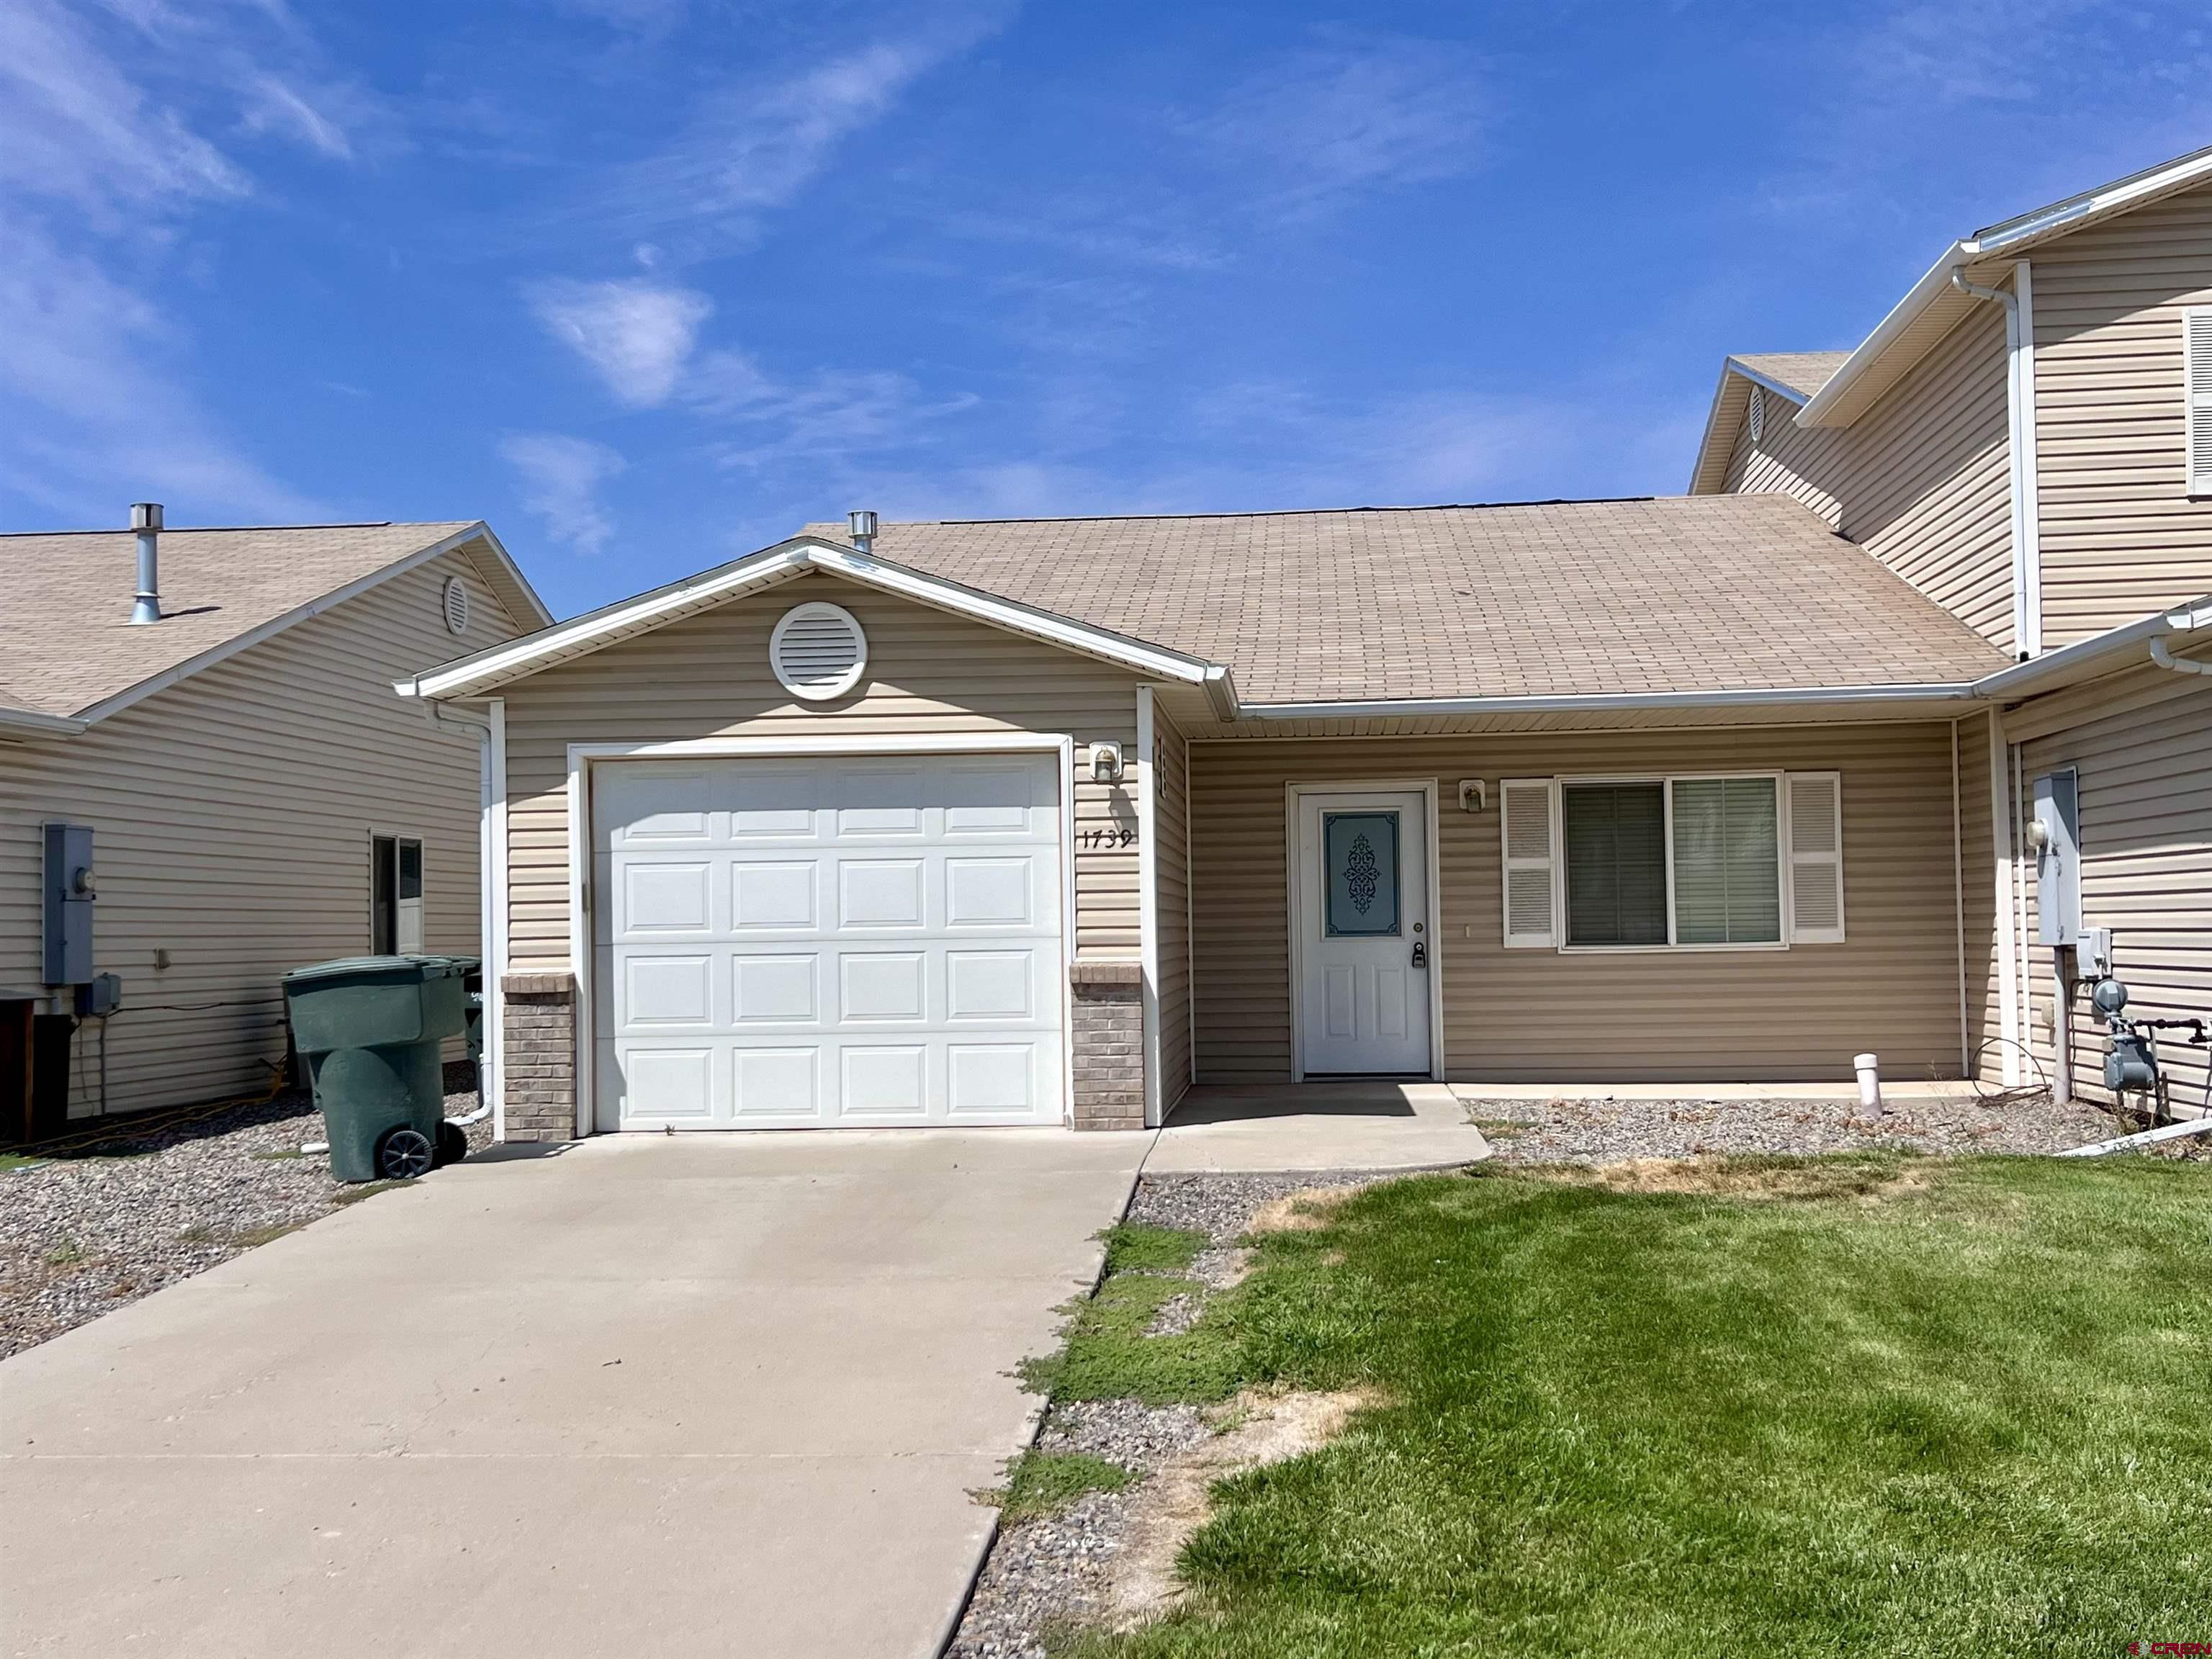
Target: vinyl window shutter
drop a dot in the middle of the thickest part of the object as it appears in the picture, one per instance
(1816, 858)
(2197, 359)
(1526, 835)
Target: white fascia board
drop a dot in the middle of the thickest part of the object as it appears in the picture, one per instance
(2010, 236)
(2086, 659)
(2123, 193)
(230, 648)
(1737, 365)
(1578, 702)
(1929, 290)
(1722, 407)
(473, 676)
(540, 616)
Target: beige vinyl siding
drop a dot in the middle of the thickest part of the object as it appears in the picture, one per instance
(708, 676)
(1662, 1016)
(231, 815)
(1920, 480)
(1171, 870)
(2120, 538)
(1978, 867)
(2141, 744)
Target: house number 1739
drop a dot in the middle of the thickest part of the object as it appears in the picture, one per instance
(1121, 835)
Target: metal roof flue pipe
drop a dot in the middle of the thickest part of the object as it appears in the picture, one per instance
(862, 528)
(146, 521)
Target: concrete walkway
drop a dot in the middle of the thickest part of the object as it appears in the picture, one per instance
(1300, 1127)
(705, 1394)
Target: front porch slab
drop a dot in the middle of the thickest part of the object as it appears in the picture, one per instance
(1295, 1127)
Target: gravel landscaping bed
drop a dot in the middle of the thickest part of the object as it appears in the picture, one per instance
(1602, 1131)
(86, 1232)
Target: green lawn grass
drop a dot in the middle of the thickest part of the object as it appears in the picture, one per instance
(1871, 1405)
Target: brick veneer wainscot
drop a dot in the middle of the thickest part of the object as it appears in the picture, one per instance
(537, 1069)
(1108, 1043)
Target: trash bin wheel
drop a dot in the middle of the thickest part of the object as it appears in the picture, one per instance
(404, 1153)
(452, 1142)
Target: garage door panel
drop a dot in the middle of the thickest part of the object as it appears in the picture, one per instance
(668, 991)
(991, 1078)
(990, 985)
(861, 943)
(679, 1082)
(882, 985)
(881, 893)
(665, 898)
(995, 892)
(784, 1084)
(886, 1081)
(773, 895)
(775, 988)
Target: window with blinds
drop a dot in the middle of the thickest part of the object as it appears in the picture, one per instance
(1727, 861)
(1688, 862)
(1616, 845)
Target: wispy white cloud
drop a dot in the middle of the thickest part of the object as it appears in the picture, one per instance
(637, 335)
(825, 418)
(1349, 118)
(560, 480)
(115, 128)
(755, 145)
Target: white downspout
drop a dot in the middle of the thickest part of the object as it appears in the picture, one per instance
(481, 729)
(2182, 624)
(2008, 949)
(2019, 433)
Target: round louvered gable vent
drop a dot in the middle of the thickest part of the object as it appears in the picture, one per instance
(454, 602)
(819, 651)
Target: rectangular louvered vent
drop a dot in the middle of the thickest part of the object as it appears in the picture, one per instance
(2196, 330)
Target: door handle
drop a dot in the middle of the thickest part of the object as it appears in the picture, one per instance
(1420, 953)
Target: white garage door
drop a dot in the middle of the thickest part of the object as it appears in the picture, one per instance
(796, 944)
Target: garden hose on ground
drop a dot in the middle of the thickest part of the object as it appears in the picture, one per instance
(152, 1123)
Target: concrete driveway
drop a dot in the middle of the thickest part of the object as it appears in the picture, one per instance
(654, 1396)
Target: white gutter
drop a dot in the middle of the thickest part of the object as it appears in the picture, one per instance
(2020, 452)
(2180, 624)
(2009, 685)
(1579, 703)
(24, 723)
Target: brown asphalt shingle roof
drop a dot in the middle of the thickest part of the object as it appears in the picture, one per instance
(1681, 593)
(66, 642)
(1801, 371)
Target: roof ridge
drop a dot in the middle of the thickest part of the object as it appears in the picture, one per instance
(1299, 512)
(208, 529)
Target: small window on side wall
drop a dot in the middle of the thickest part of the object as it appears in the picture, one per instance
(395, 895)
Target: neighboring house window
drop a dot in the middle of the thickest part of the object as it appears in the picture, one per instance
(2196, 372)
(1682, 862)
(395, 888)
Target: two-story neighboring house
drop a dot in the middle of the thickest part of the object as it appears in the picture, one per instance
(2026, 439)
(205, 781)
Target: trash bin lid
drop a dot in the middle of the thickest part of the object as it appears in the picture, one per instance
(410, 969)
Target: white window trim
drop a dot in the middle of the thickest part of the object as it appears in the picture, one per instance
(1667, 782)
(381, 832)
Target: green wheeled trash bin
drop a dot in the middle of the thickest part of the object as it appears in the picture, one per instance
(371, 1029)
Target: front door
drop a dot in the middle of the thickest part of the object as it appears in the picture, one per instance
(1364, 954)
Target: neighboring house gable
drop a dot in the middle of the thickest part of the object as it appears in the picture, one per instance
(232, 805)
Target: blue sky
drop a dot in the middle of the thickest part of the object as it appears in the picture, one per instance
(647, 283)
